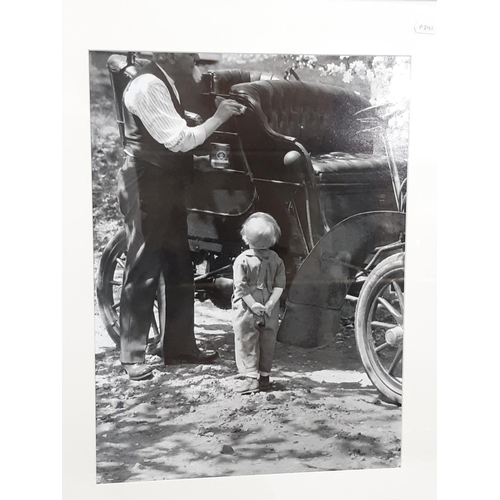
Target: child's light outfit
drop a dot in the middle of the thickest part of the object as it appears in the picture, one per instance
(256, 272)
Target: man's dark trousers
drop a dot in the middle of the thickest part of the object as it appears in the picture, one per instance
(152, 200)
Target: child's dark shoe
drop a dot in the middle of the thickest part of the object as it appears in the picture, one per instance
(264, 382)
(247, 386)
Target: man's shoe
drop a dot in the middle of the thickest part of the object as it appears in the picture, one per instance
(200, 358)
(248, 386)
(138, 371)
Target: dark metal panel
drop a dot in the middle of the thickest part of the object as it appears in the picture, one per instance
(323, 279)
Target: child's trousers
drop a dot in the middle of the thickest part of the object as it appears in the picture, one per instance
(254, 345)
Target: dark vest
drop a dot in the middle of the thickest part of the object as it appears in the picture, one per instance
(141, 145)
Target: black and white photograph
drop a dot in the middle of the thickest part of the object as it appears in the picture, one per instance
(249, 233)
(249, 278)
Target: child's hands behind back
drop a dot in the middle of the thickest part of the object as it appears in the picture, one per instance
(258, 309)
(268, 308)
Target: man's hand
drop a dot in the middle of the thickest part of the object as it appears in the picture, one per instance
(225, 110)
(228, 108)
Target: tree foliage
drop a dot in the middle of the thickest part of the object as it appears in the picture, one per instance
(387, 77)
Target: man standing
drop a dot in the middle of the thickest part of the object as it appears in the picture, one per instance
(152, 184)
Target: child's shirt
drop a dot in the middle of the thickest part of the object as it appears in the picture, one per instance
(257, 272)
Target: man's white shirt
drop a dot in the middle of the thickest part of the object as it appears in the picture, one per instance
(148, 98)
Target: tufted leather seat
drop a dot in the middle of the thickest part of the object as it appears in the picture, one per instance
(350, 168)
(320, 117)
(221, 81)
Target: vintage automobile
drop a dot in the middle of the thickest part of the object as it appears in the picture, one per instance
(305, 153)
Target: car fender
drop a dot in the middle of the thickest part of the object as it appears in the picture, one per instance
(317, 293)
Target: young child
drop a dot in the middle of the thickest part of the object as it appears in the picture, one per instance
(259, 281)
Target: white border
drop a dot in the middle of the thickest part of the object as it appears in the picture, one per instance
(332, 27)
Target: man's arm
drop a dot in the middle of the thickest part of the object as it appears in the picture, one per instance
(150, 100)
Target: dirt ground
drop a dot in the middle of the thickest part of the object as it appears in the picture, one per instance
(322, 413)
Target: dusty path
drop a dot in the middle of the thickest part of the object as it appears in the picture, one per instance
(321, 414)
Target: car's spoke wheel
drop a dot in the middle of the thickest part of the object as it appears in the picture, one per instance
(379, 326)
(109, 287)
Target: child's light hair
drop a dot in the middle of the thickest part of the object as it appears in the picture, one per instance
(260, 230)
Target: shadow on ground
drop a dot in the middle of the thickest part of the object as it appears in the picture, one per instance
(321, 414)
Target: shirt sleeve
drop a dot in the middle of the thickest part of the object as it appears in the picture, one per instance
(151, 101)
(280, 278)
(240, 280)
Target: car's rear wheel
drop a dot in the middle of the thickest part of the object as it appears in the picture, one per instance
(109, 286)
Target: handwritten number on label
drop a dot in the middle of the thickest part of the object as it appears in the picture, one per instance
(424, 28)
